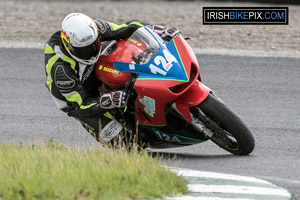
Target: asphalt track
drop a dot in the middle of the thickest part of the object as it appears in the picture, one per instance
(263, 91)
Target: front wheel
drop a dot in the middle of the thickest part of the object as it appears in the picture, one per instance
(229, 132)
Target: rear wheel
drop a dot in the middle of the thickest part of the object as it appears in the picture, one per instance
(229, 132)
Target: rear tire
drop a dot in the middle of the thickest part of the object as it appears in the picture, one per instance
(224, 123)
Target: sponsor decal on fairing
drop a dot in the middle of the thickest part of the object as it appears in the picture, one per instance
(149, 104)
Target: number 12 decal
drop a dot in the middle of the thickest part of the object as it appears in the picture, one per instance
(166, 63)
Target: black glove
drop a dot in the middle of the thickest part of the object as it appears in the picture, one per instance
(166, 33)
(117, 99)
(169, 33)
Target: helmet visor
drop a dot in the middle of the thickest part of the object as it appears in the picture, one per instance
(87, 52)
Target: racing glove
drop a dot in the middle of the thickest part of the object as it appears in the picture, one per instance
(117, 99)
(166, 33)
(169, 33)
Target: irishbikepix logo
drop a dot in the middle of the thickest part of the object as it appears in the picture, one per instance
(245, 15)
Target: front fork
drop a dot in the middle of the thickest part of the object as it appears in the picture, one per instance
(196, 94)
(195, 122)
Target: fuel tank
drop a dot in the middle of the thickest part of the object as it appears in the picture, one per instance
(104, 70)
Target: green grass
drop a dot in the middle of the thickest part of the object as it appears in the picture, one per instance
(55, 172)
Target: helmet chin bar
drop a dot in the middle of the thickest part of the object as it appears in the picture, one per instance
(85, 62)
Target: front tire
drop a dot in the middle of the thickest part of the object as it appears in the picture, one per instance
(230, 133)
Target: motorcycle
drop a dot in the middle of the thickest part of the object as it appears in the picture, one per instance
(168, 103)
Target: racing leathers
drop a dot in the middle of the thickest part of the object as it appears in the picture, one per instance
(73, 86)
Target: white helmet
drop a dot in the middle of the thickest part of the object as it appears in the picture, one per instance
(79, 35)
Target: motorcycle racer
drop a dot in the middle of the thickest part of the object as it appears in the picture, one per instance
(70, 56)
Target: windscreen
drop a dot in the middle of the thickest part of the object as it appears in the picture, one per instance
(140, 47)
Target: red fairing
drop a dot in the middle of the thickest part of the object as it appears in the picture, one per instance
(155, 94)
(161, 92)
(194, 96)
(104, 70)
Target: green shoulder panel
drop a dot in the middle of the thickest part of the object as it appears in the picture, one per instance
(117, 27)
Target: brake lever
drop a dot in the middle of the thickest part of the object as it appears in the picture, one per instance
(130, 83)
